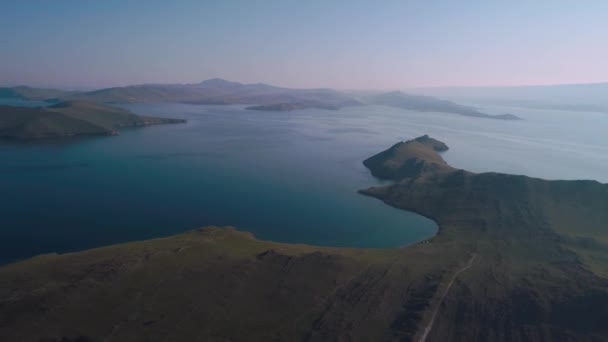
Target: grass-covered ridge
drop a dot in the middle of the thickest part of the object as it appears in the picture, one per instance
(69, 119)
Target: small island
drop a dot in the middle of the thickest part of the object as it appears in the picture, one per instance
(70, 119)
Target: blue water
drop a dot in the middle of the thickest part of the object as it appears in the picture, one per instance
(15, 101)
(283, 176)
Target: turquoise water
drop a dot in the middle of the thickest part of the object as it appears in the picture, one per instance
(546, 144)
(15, 101)
(283, 176)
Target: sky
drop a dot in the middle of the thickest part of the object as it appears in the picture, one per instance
(345, 44)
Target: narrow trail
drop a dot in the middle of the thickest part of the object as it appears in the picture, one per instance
(429, 326)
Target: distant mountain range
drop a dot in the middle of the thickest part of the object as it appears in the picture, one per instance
(261, 96)
(429, 104)
(590, 97)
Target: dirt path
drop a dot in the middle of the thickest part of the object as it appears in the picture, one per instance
(429, 326)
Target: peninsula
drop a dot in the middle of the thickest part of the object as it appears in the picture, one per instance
(69, 119)
(515, 259)
(423, 103)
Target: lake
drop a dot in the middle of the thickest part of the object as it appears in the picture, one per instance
(285, 176)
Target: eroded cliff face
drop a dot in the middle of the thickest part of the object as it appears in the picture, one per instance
(516, 259)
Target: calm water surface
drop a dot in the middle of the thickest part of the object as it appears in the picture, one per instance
(283, 176)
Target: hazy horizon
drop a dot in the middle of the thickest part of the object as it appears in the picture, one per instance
(412, 88)
(343, 45)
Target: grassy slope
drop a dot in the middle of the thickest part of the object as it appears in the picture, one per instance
(528, 281)
(197, 285)
(532, 280)
(398, 162)
(101, 115)
(37, 123)
(68, 119)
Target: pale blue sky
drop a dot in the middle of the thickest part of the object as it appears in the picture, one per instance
(313, 43)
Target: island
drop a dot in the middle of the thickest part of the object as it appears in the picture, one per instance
(69, 119)
(515, 259)
(424, 103)
(287, 107)
(258, 96)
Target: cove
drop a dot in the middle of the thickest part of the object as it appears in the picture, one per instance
(288, 177)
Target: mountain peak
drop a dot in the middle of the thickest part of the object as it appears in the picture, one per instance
(219, 82)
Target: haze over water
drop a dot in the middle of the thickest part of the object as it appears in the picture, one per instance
(283, 176)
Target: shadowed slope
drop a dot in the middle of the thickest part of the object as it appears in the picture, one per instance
(537, 277)
(408, 159)
(212, 285)
(68, 119)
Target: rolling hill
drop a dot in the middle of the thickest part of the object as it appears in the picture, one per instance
(69, 119)
(260, 96)
(218, 91)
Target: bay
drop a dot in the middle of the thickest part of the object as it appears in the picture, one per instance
(284, 176)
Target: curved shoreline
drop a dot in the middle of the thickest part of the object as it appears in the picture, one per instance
(532, 278)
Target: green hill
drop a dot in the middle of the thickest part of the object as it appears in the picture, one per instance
(541, 266)
(68, 119)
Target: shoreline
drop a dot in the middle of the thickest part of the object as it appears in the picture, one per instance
(507, 247)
